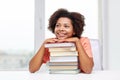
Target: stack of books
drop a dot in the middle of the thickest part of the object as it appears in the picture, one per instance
(63, 58)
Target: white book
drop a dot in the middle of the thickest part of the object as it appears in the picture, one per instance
(62, 63)
(52, 49)
(64, 71)
(64, 44)
(63, 67)
(64, 53)
(63, 58)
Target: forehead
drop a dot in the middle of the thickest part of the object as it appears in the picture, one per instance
(64, 19)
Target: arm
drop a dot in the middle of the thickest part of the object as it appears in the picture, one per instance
(85, 61)
(37, 60)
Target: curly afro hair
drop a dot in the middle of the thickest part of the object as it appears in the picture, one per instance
(76, 18)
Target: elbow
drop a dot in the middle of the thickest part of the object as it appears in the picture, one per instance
(33, 69)
(89, 69)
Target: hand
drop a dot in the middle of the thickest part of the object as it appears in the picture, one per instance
(51, 40)
(72, 39)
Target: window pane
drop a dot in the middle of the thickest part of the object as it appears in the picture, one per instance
(16, 33)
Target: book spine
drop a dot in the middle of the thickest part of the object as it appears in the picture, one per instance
(62, 49)
(74, 71)
(62, 63)
(64, 53)
(62, 67)
(59, 45)
(63, 59)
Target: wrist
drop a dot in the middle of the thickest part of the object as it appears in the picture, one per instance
(77, 40)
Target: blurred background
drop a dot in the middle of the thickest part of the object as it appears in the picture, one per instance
(16, 33)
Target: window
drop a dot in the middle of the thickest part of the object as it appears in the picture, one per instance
(16, 33)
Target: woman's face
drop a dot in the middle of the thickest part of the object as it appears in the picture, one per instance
(64, 28)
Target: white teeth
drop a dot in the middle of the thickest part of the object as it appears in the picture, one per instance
(61, 34)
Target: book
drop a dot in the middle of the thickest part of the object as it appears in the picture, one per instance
(63, 58)
(76, 71)
(64, 44)
(52, 49)
(64, 53)
(62, 63)
(63, 67)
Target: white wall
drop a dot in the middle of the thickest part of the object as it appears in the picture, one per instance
(113, 34)
(111, 38)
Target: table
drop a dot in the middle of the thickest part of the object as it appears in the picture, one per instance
(44, 75)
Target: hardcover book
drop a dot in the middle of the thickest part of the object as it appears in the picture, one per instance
(62, 63)
(65, 44)
(63, 58)
(52, 49)
(63, 67)
(64, 53)
(76, 71)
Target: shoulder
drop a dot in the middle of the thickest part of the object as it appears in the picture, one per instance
(84, 39)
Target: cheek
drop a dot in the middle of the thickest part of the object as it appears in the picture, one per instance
(71, 32)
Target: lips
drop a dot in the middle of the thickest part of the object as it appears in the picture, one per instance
(61, 35)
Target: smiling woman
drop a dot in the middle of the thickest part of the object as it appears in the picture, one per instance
(67, 27)
(16, 33)
(43, 11)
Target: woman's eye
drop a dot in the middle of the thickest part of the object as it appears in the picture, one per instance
(66, 26)
(56, 25)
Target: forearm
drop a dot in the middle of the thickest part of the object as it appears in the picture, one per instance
(86, 63)
(36, 61)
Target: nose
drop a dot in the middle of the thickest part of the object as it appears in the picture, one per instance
(61, 28)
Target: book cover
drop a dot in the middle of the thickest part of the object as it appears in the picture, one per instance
(63, 58)
(64, 53)
(64, 44)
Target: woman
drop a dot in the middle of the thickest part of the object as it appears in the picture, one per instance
(67, 26)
